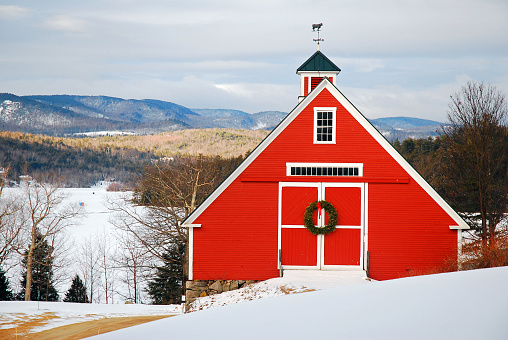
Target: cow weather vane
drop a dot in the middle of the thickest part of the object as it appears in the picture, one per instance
(317, 28)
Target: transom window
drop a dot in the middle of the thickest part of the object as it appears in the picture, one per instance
(324, 169)
(324, 125)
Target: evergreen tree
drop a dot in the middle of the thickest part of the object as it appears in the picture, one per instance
(167, 285)
(77, 292)
(42, 274)
(5, 290)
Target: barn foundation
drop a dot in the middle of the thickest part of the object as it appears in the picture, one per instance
(200, 288)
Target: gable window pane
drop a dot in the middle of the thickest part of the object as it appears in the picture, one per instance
(324, 126)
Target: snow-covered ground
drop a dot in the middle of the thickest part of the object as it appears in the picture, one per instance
(66, 313)
(460, 305)
(293, 281)
(95, 221)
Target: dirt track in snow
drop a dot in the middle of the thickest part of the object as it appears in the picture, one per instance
(74, 331)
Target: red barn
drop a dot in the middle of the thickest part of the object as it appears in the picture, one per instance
(390, 220)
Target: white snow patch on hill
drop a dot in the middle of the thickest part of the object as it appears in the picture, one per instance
(426, 307)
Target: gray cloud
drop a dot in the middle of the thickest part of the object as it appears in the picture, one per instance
(398, 58)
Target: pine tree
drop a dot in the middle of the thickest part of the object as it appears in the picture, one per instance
(42, 274)
(77, 291)
(5, 290)
(167, 285)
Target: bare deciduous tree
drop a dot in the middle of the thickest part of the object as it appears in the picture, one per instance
(45, 216)
(133, 260)
(106, 265)
(475, 164)
(89, 263)
(11, 222)
(166, 195)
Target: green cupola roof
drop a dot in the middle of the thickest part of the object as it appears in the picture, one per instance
(318, 62)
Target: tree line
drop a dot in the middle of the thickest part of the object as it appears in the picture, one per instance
(75, 167)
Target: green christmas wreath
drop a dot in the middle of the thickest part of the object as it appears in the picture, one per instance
(332, 218)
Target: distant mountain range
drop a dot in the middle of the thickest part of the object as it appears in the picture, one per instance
(66, 114)
(406, 127)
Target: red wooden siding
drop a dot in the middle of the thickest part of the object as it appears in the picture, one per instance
(305, 86)
(298, 247)
(343, 247)
(407, 230)
(238, 237)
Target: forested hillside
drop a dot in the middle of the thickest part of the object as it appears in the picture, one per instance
(80, 162)
(73, 166)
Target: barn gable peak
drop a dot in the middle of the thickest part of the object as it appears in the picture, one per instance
(312, 71)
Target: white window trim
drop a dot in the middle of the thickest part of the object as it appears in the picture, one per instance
(334, 128)
(325, 165)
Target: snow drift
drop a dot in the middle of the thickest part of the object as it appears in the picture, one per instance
(460, 305)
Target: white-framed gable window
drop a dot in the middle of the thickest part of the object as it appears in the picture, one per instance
(324, 125)
(325, 169)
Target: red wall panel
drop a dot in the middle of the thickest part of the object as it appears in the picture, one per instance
(239, 233)
(298, 247)
(347, 201)
(343, 247)
(408, 232)
(295, 201)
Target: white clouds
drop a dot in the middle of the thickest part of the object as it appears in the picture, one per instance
(362, 65)
(392, 101)
(67, 23)
(13, 12)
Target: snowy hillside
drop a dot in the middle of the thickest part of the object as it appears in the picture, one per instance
(442, 306)
(63, 114)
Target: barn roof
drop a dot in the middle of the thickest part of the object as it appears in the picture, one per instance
(326, 84)
(318, 62)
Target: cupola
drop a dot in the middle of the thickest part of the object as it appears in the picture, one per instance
(313, 71)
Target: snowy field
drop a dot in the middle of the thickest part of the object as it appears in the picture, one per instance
(333, 305)
(461, 305)
(95, 221)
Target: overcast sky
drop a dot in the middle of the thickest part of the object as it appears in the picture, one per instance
(398, 58)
